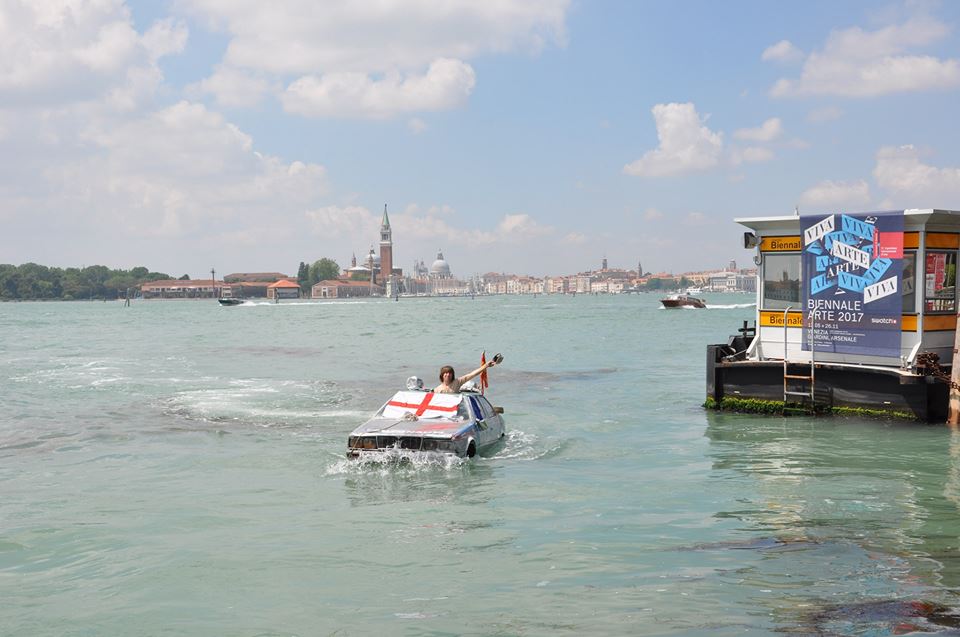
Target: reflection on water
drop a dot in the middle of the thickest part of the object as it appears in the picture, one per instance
(872, 503)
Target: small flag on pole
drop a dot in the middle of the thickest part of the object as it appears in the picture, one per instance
(483, 375)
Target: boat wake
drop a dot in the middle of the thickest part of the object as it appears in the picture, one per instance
(520, 445)
(289, 303)
(733, 306)
(262, 403)
(711, 306)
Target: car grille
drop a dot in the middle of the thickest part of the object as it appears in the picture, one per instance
(413, 443)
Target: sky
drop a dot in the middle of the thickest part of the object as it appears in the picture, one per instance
(520, 136)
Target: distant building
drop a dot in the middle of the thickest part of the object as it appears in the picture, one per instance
(339, 289)
(181, 289)
(249, 289)
(440, 268)
(283, 289)
(386, 256)
(378, 267)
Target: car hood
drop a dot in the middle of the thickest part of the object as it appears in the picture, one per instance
(426, 427)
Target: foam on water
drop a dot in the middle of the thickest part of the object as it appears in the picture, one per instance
(391, 461)
(732, 306)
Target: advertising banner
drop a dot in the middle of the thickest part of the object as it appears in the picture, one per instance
(852, 267)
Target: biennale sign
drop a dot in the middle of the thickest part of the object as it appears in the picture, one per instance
(852, 269)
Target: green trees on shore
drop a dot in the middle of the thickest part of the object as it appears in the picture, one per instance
(310, 274)
(31, 281)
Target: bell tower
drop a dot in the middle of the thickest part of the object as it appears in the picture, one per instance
(386, 255)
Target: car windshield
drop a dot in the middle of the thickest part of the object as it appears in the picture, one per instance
(408, 404)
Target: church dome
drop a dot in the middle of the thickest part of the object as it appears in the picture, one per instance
(440, 267)
(376, 260)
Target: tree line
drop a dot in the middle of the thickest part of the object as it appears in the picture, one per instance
(30, 281)
(309, 274)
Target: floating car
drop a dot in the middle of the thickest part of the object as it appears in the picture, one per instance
(415, 420)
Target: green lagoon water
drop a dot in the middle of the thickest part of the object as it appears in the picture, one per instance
(177, 468)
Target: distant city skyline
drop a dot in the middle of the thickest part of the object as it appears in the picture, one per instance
(525, 137)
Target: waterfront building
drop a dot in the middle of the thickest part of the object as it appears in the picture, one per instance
(250, 285)
(283, 289)
(732, 281)
(339, 288)
(181, 289)
(583, 284)
(555, 285)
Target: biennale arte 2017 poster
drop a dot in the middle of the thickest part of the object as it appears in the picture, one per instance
(852, 276)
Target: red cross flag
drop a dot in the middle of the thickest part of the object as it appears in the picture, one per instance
(484, 383)
(429, 405)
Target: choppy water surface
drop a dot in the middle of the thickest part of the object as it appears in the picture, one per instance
(177, 468)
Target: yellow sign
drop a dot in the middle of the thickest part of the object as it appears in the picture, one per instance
(772, 318)
(780, 244)
(908, 322)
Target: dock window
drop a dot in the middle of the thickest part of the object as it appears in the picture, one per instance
(909, 287)
(781, 281)
(940, 278)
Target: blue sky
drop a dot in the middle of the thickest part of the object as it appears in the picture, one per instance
(525, 136)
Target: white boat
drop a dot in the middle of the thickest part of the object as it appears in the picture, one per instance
(682, 300)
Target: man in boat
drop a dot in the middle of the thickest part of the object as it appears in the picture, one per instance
(450, 384)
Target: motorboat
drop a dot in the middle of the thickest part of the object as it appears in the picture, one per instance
(414, 420)
(230, 301)
(683, 300)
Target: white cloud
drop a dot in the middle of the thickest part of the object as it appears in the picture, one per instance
(353, 222)
(836, 194)
(310, 37)
(751, 154)
(172, 173)
(518, 227)
(695, 219)
(574, 239)
(446, 84)
(910, 183)
(651, 214)
(390, 57)
(858, 63)
(768, 131)
(233, 87)
(686, 144)
(165, 37)
(57, 53)
(782, 51)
